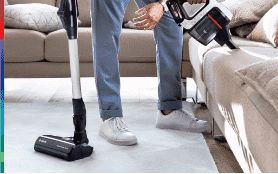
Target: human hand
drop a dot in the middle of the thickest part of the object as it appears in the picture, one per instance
(148, 21)
(154, 12)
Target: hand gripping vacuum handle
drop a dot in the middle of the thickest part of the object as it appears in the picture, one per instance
(178, 12)
(209, 23)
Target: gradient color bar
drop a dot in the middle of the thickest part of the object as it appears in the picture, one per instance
(2, 20)
(2, 84)
(2, 105)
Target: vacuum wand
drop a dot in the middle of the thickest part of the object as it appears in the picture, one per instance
(68, 13)
(70, 148)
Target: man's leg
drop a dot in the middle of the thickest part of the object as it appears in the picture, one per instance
(107, 17)
(169, 40)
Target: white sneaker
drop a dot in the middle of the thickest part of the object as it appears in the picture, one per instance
(115, 131)
(181, 120)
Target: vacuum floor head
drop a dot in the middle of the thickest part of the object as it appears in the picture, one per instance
(62, 147)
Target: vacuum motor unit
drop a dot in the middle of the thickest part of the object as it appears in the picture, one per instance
(209, 23)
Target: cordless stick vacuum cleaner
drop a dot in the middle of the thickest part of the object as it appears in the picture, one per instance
(70, 148)
(210, 22)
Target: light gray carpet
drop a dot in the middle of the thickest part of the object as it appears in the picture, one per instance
(163, 151)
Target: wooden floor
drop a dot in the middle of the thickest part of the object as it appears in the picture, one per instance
(132, 90)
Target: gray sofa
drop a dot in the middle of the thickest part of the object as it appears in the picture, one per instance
(34, 54)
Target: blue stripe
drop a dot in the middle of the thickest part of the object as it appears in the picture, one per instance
(2, 105)
(2, 86)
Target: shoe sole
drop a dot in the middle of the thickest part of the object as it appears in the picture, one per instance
(121, 143)
(196, 130)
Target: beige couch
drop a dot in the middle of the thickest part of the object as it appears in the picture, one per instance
(244, 108)
(248, 122)
(246, 119)
(33, 54)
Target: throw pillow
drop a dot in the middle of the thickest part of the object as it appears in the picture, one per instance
(263, 77)
(267, 28)
(35, 16)
(246, 11)
(243, 30)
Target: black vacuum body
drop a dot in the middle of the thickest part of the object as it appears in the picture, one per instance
(209, 22)
(76, 147)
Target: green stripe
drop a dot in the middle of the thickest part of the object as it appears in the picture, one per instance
(2, 143)
(2, 157)
(2, 154)
(2, 167)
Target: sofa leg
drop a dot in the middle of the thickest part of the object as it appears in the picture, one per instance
(183, 89)
(196, 101)
(219, 138)
(196, 94)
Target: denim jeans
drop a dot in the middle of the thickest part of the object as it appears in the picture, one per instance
(107, 18)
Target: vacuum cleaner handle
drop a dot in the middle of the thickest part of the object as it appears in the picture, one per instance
(68, 13)
(178, 12)
(175, 10)
(181, 17)
(209, 23)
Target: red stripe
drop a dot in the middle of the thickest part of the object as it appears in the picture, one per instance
(215, 22)
(2, 19)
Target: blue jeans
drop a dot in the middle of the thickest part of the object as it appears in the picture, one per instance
(107, 18)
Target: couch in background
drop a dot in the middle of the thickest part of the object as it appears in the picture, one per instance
(36, 54)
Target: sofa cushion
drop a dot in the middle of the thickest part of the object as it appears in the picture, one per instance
(49, 2)
(246, 11)
(267, 29)
(23, 45)
(84, 7)
(140, 44)
(197, 50)
(266, 123)
(227, 61)
(130, 11)
(251, 118)
(263, 77)
(135, 46)
(57, 49)
(185, 49)
(248, 114)
(34, 16)
(84, 12)
(243, 30)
